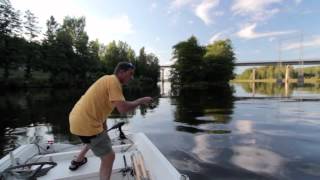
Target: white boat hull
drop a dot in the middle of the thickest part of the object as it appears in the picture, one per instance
(156, 164)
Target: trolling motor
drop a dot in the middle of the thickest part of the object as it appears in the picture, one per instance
(119, 126)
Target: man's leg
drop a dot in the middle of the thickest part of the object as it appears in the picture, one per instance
(82, 153)
(106, 166)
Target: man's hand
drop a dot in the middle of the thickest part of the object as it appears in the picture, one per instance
(145, 100)
(125, 106)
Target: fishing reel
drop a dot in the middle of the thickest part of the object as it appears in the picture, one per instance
(119, 127)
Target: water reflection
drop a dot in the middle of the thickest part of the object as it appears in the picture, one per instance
(257, 160)
(244, 126)
(205, 133)
(30, 113)
(196, 106)
(274, 89)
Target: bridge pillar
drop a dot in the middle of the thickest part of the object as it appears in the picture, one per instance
(253, 75)
(253, 88)
(287, 75)
(300, 79)
(286, 89)
(162, 74)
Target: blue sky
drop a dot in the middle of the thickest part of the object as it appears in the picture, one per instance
(258, 29)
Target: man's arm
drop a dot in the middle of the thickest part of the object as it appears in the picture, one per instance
(125, 106)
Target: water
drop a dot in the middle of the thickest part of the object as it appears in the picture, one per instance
(265, 131)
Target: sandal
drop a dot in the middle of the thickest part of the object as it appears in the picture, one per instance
(75, 164)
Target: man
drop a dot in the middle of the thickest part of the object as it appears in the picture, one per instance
(88, 117)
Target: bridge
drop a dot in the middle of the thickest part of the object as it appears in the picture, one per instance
(286, 63)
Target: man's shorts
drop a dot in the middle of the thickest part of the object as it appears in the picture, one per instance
(99, 144)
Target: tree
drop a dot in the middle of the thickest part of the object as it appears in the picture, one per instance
(219, 61)
(75, 29)
(117, 52)
(147, 67)
(30, 24)
(141, 62)
(10, 26)
(52, 56)
(31, 31)
(188, 61)
(51, 33)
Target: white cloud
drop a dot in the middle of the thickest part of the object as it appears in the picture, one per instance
(248, 32)
(257, 9)
(271, 39)
(180, 3)
(297, 1)
(203, 10)
(315, 42)
(153, 6)
(44, 9)
(215, 37)
(108, 29)
(190, 22)
(103, 28)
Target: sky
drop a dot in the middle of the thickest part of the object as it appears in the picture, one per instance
(259, 29)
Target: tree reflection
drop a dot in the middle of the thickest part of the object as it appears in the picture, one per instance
(273, 89)
(44, 112)
(195, 106)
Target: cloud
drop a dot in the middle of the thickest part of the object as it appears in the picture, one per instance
(108, 29)
(215, 37)
(315, 42)
(180, 3)
(297, 1)
(248, 32)
(98, 27)
(153, 6)
(256, 9)
(203, 10)
(44, 9)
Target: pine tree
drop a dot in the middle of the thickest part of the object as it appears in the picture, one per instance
(31, 31)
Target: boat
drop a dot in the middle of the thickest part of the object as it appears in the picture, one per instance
(136, 158)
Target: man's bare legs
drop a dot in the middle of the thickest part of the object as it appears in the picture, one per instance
(106, 166)
(82, 153)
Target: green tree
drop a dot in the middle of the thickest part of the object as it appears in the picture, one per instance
(31, 31)
(75, 29)
(219, 61)
(10, 26)
(188, 62)
(52, 56)
(147, 67)
(72, 45)
(51, 33)
(117, 52)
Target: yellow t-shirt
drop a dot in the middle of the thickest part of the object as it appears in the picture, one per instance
(90, 112)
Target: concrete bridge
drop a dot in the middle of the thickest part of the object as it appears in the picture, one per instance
(286, 63)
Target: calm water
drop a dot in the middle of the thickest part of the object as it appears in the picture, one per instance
(246, 131)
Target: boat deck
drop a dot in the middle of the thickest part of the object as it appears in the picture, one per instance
(136, 152)
(90, 170)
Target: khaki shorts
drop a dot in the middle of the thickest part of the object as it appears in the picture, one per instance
(101, 144)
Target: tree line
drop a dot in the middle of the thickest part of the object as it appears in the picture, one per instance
(210, 64)
(65, 56)
(274, 72)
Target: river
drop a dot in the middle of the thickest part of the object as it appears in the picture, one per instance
(245, 131)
